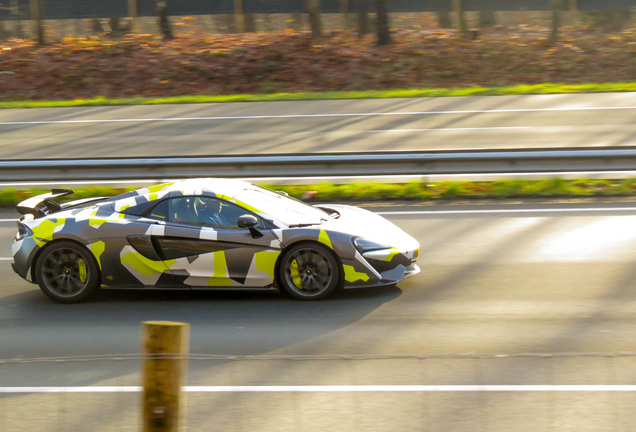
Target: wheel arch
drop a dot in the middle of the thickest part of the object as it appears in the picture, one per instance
(37, 255)
(279, 260)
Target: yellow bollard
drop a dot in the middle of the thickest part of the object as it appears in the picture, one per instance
(166, 345)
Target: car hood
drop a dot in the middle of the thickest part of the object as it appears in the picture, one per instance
(363, 223)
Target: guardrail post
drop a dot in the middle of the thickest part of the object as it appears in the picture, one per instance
(165, 344)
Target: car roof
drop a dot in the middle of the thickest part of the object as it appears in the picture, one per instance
(218, 186)
(222, 188)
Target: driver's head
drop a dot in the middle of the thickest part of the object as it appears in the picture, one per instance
(210, 205)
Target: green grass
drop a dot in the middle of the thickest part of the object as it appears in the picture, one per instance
(547, 88)
(416, 191)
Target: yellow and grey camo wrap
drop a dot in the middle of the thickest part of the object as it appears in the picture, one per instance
(127, 248)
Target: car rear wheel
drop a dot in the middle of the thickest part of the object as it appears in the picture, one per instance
(67, 272)
(310, 272)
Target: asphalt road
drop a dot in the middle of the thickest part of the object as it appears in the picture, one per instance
(495, 280)
(319, 126)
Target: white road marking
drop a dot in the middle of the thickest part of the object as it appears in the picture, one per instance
(8, 220)
(6, 259)
(336, 388)
(555, 210)
(451, 129)
(291, 116)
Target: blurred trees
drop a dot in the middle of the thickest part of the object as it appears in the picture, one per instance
(609, 20)
(367, 20)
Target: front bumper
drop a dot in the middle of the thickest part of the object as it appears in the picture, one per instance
(411, 270)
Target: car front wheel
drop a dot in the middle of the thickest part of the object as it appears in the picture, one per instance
(310, 272)
(67, 272)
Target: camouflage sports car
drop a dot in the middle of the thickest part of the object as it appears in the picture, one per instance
(206, 234)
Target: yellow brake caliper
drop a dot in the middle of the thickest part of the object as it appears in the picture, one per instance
(82, 270)
(295, 274)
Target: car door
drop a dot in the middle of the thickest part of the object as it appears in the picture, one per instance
(202, 245)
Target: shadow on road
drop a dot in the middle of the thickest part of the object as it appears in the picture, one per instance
(222, 323)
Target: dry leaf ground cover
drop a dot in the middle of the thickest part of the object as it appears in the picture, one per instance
(289, 61)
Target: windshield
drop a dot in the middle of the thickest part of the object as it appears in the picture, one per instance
(289, 211)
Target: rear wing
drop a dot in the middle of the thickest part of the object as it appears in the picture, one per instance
(41, 205)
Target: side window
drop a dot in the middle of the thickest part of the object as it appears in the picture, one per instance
(204, 211)
(160, 211)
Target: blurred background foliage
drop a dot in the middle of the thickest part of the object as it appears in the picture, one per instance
(306, 51)
(383, 192)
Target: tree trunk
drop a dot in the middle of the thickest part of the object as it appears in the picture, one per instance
(313, 8)
(18, 29)
(250, 23)
(458, 6)
(96, 26)
(363, 18)
(344, 14)
(115, 26)
(239, 17)
(557, 5)
(230, 24)
(37, 13)
(444, 20)
(162, 16)
(14, 10)
(487, 18)
(384, 37)
(268, 22)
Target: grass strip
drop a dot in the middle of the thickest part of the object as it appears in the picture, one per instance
(547, 88)
(415, 191)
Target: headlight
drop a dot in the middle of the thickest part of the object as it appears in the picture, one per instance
(365, 245)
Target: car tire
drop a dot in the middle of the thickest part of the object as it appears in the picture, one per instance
(67, 272)
(309, 271)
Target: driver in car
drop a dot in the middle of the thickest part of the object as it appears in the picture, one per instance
(209, 212)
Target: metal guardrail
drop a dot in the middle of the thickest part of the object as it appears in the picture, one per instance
(564, 160)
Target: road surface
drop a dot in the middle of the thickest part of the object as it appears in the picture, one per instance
(496, 279)
(575, 120)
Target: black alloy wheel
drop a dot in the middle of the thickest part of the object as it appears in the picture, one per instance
(67, 272)
(310, 272)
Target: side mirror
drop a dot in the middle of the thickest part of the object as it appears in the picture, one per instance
(247, 221)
